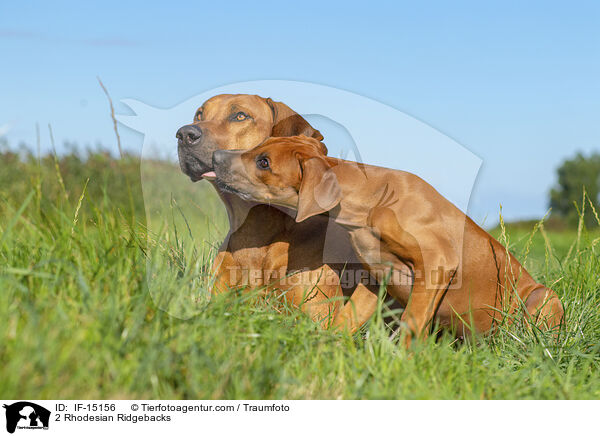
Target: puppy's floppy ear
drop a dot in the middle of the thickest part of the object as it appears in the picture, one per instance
(319, 190)
(319, 147)
(286, 122)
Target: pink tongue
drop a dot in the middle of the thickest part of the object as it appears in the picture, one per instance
(209, 175)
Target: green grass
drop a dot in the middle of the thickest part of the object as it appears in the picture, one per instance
(79, 319)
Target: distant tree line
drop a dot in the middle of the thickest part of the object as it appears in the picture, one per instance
(575, 175)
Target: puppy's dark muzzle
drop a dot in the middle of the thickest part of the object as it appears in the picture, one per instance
(227, 165)
(221, 159)
(188, 136)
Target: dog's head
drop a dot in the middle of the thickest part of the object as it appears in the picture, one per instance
(291, 172)
(239, 121)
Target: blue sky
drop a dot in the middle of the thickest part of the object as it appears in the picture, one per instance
(517, 83)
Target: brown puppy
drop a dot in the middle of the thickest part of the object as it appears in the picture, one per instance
(463, 278)
(265, 245)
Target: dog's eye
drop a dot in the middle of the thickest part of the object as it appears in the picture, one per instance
(199, 116)
(262, 163)
(240, 116)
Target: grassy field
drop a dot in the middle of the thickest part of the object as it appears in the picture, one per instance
(99, 299)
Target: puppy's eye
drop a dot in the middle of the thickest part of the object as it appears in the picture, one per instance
(199, 116)
(262, 163)
(240, 116)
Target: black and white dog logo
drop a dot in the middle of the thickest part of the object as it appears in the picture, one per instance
(26, 415)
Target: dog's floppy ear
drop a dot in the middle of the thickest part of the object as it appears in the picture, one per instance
(319, 190)
(286, 122)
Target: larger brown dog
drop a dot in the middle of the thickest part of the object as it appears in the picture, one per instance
(265, 244)
(463, 278)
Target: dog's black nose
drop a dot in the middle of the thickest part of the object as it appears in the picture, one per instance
(188, 135)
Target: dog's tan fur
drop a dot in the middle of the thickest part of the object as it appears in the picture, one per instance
(463, 278)
(265, 245)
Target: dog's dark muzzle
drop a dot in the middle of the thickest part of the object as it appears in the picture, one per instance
(195, 158)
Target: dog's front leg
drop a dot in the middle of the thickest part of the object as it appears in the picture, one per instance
(432, 279)
(419, 313)
(226, 273)
(357, 310)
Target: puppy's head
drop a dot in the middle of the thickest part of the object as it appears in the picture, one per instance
(291, 172)
(226, 122)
